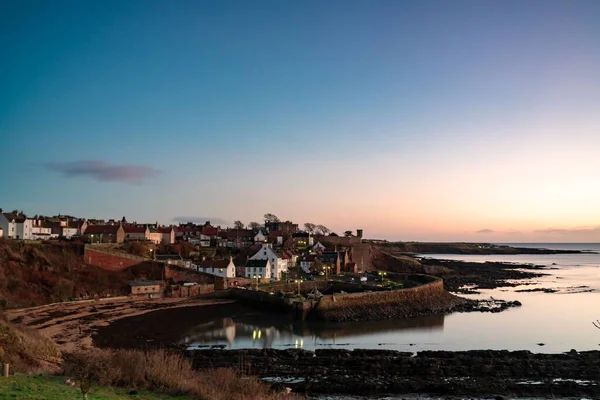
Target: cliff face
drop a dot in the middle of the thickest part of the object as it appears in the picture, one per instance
(39, 273)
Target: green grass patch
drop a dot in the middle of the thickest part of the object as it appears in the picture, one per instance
(43, 387)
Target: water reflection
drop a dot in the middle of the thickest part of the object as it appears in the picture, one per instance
(276, 331)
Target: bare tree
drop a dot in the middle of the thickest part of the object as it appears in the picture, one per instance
(238, 225)
(89, 368)
(254, 225)
(322, 229)
(596, 324)
(348, 233)
(271, 218)
(310, 227)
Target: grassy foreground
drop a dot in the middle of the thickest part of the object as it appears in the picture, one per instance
(42, 387)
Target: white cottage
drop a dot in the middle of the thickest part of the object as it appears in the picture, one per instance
(279, 265)
(259, 269)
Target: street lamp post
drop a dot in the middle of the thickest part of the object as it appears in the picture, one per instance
(326, 268)
(298, 281)
(92, 237)
(256, 277)
(382, 274)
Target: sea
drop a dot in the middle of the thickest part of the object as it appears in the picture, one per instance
(545, 323)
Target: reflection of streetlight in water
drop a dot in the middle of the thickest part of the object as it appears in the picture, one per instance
(299, 343)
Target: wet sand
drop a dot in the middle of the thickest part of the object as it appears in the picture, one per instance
(79, 325)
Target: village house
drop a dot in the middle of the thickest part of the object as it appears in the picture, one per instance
(302, 240)
(318, 248)
(221, 268)
(285, 227)
(276, 237)
(40, 230)
(204, 240)
(135, 232)
(235, 238)
(307, 263)
(258, 269)
(351, 267)
(336, 260)
(167, 234)
(142, 233)
(145, 288)
(15, 225)
(104, 234)
(279, 265)
(68, 229)
(259, 237)
(290, 257)
(240, 265)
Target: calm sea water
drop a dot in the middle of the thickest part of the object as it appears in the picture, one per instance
(560, 321)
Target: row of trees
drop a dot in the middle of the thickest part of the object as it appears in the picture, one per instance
(311, 228)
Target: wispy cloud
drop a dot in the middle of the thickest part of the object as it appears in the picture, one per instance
(571, 231)
(102, 171)
(201, 220)
(485, 231)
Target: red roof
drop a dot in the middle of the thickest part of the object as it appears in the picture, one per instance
(210, 231)
(101, 229)
(134, 229)
(165, 229)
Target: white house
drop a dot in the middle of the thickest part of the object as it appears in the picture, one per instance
(222, 268)
(8, 223)
(39, 230)
(259, 237)
(258, 269)
(204, 240)
(279, 265)
(68, 232)
(318, 247)
(16, 225)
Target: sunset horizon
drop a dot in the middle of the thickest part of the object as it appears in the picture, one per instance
(414, 121)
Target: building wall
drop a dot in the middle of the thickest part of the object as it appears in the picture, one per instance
(109, 262)
(190, 291)
(155, 237)
(24, 229)
(9, 229)
(69, 232)
(135, 235)
(145, 289)
(168, 238)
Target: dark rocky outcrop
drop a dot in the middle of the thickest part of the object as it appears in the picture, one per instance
(477, 372)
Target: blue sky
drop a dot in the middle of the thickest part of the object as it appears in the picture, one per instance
(429, 120)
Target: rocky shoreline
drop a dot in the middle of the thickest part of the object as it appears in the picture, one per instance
(466, 277)
(378, 372)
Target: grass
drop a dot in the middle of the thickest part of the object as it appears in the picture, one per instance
(43, 387)
(163, 371)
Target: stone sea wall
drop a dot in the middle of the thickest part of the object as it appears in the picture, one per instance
(371, 303)
(429, 298)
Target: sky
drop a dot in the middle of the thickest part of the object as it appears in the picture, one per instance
(413, 120)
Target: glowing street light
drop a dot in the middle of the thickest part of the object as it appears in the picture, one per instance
(382, 274)
(298, 281)
(256, 277)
